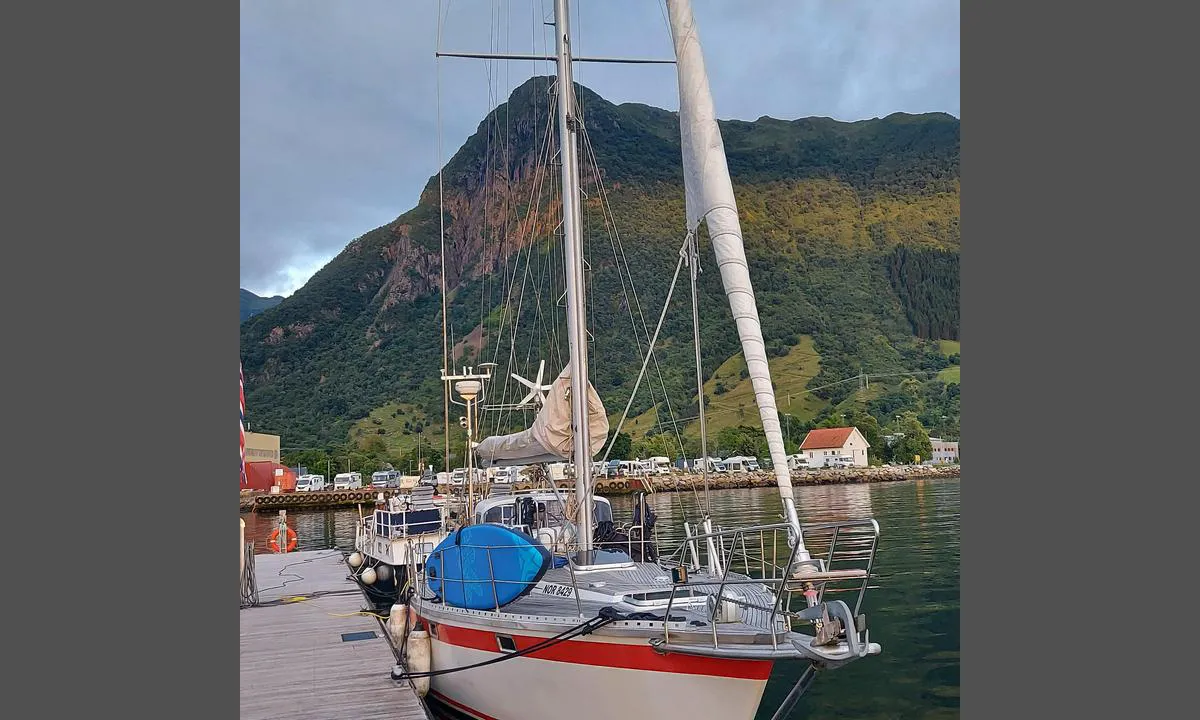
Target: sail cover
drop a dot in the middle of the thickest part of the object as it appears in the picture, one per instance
(709, 196)
(549, 438)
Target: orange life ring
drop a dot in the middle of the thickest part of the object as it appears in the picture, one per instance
(273, 542)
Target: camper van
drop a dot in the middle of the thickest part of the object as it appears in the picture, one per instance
(660, 465)
(797, 462)
(505, 475)
(347, 481)
(741, 463)
(560, 471)
(385, 479)
(459, 476)
(631, 468)
(310, 483)
(714, 465)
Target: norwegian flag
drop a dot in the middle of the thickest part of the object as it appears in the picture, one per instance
(242, 421)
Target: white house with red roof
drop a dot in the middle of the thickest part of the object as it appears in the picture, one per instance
(829, 446)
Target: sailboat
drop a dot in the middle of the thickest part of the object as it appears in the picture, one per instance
(500, 627)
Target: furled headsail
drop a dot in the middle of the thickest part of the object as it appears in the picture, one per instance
(709, 197)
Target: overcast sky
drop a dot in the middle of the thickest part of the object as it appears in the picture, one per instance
(339, 99)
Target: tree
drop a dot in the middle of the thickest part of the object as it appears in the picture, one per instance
(833, 421)
(915, 442)
(315, 460)
(622, 447)
(740, 440)
(660, 445)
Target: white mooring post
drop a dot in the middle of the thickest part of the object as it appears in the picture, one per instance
(283, 528)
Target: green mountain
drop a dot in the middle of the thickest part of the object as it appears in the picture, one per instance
(252, 304)
(851, 231)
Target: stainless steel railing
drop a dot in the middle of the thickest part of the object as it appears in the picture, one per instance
(842, 558)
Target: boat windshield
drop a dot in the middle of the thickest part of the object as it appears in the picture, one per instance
(546, 514)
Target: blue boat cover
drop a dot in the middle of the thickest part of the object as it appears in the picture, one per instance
(485, 566)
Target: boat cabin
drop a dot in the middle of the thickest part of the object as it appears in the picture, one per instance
(404, 517)
(532, 511)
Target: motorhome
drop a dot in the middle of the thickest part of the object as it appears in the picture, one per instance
(347, 481)
(560, 471)
(715, 465)
(631, 468)
(660, 465)
(797, 462)
(385, 479)
(839, 461)
(310, 483)
(504, 475)
(741, 463)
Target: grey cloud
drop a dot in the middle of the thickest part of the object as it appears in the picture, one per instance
(339, 100)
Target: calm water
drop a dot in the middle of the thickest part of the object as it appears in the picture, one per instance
(912, 608)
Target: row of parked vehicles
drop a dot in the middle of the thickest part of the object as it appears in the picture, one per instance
(562, 471)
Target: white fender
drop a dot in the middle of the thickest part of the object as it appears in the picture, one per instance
(419, 659)
(397, 624)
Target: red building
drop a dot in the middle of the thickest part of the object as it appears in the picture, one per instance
(262, 475)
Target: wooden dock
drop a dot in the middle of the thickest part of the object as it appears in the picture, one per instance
(306, 654)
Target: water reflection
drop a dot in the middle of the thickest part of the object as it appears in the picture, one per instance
(315, 529)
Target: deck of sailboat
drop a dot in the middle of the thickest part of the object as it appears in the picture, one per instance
(539, 607)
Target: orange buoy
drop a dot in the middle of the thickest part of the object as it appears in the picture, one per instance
(273, 542)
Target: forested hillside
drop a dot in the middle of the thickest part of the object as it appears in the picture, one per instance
(851, 231)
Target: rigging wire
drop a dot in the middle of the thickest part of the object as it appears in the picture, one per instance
(442, 237)
(619, 249)
(649, 351)
(694, 271)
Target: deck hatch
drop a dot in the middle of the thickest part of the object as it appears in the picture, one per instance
(365, 635)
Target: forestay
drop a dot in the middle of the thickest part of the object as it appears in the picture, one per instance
(709, 197)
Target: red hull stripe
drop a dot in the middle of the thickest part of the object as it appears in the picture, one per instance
(632, 657)
(460, 706)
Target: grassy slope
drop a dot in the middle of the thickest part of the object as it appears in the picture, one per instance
(391, 419)
(952, 373)
(790, 374)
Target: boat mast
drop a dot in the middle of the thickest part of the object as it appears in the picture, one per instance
(568, 123)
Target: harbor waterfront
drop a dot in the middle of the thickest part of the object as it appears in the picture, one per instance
(913, 604)
(610, 487)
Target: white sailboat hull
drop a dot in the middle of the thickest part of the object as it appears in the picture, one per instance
(590, 678)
